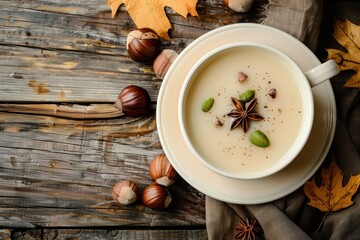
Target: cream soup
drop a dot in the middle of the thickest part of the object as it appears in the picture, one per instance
(231, 150)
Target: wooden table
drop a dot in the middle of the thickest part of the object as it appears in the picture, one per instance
(57, 168)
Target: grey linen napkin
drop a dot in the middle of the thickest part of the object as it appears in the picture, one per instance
(290, 217)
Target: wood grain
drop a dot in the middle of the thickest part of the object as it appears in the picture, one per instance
(75, 52)
(69, 166)
(62, 143)
(89, 234)
(72, 111)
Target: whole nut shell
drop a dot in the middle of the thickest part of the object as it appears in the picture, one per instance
(163, 62)
(161, 171)
(239, 5)
(143, 45)
(125, 192)
(156, 197)
(134, 101)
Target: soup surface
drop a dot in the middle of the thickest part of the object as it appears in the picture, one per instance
(231, 150)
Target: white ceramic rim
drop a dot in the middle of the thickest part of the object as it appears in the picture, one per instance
(248, 191)
(307, 110)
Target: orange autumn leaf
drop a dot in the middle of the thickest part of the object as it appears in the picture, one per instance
(348, 35)
(151, 13)
(331, 195)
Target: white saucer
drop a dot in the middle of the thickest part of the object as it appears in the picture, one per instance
(244, 191)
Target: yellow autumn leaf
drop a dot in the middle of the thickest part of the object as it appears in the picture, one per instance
(331, 195)
(151, 13)
(348, 35)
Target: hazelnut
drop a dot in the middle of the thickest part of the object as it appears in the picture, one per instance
(143, 45)
(161, 171)
(156, 197)
(125, 192)
(163, 61)
(134, 101)
(239, 5)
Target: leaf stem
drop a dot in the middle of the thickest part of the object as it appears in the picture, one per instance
(322, 221)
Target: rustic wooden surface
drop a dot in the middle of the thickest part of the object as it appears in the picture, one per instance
(63, 145)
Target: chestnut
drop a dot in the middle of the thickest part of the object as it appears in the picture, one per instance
(163, 61)
(125, 192)
(143, 45)
(133, 101)
(156, 197)
(161, 171)
(239, 5)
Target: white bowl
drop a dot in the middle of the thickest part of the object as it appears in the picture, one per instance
(238, 169)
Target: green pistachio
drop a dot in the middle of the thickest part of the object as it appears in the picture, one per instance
(247, 96)
(207, 104)
(259, 139)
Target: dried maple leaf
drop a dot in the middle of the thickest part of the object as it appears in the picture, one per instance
(331, 195)
(151, 13)
(348, 35)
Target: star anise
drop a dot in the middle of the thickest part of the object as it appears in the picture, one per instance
(243, 114)
(247, 229)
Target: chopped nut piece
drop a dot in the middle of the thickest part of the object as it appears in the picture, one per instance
(272, 93)
(218, 122)
(242, 76)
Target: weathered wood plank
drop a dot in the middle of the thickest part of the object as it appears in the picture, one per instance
(91, 20)
(134, 215)
(58, 162)
(89, 234)
(59, 172)
(75, 52)
(30, 74)
(72, 111)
